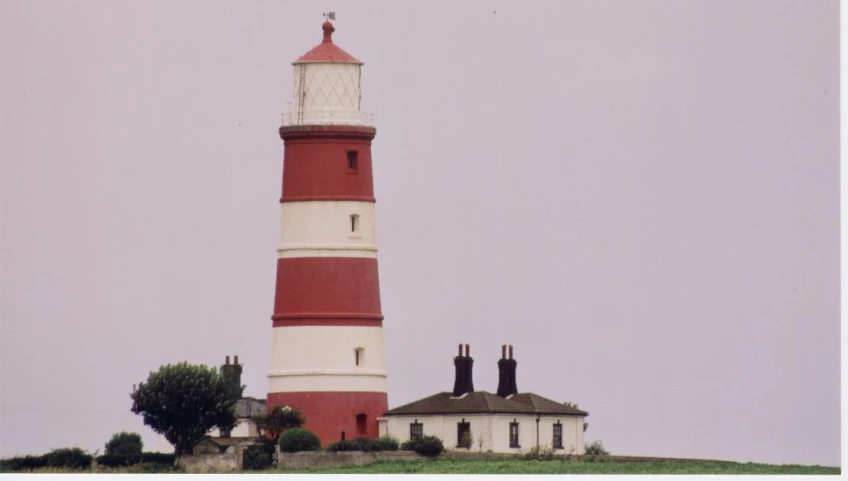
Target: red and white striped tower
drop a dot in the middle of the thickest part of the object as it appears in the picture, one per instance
(327, 353)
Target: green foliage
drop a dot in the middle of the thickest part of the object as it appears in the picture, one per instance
(279, 420)
(538, 453)
(425, 445)
(21, 463)
(125, 443)
(260, 456)
(595, 449)
(74, 458)
(116, 460)
(183, 402)
(297, 439)
(384, 443)
(407, 445)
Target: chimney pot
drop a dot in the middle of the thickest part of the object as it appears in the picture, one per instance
(235, 359)
(228, 361)
(467, 351)
(503, 351)
(510, 351)
(460, 350)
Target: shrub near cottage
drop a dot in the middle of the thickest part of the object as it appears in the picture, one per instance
(425, 445)
(384, 443)
(258, 457)
(297, 439)
(595, 449)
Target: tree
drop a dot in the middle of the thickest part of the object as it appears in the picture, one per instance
(124, 443)
(184, 401)
(280, 419)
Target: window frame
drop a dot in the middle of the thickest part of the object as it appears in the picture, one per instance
(557, 427)
(513, 434)
(463, 426)
(416, 430)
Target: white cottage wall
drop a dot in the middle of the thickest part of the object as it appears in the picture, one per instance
(494, 431)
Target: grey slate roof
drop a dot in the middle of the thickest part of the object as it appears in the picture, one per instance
(546, 406)
(482, 402)
(248, 407)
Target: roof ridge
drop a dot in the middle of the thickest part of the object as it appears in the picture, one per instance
(486, 400)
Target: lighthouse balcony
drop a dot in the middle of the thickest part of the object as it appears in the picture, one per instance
(328, 117)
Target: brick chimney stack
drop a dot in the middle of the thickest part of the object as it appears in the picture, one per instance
(506, 373)
(464, 382)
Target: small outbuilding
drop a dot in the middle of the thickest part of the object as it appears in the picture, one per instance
(505, 422)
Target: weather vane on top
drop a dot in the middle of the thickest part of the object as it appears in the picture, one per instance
(330, 15)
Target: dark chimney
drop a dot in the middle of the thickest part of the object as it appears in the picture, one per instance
(513, 364)
(235, 358)
(228, 361)
(464, 382)
(506, 373)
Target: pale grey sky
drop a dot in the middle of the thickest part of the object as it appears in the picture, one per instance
(641, 196)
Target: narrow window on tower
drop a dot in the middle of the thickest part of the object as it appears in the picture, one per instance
(352, 161)
(359, 356)
(354, 222)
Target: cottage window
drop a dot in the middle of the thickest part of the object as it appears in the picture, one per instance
(352, 161)
(558, 435)
(463, 434)
(416, 430)
(513, 434)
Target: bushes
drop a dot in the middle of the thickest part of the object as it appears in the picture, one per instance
(259, 456)
(116, 460)
(74, 458)
(538, 453)
(596, 449)
(297, 439)
(20, 463)
(384, 443)
(425, 445)
(125, 443)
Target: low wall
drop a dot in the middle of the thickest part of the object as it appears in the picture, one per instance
(342, 458)
(202, 463)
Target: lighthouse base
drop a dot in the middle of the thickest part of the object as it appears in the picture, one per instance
(329, 414)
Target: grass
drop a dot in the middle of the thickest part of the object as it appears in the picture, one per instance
(453, 466)
(506, 466)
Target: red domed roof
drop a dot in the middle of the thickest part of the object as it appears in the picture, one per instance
(327, 51)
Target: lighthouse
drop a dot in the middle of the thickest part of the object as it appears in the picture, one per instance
(327, 338)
